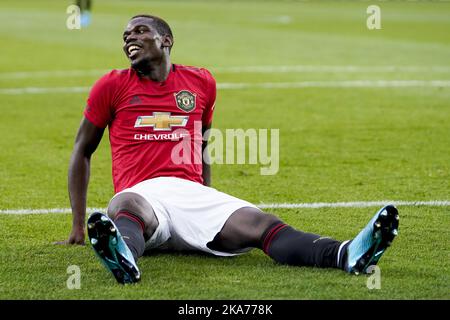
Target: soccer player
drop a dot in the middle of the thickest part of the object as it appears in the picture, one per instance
(162, 204)
(85, 11)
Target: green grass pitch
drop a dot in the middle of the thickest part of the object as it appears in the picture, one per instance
(336, 144)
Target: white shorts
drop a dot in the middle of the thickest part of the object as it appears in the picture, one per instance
(189, 213)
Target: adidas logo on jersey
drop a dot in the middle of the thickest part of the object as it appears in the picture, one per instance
(135, 100)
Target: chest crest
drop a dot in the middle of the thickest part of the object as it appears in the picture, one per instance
(185, 100)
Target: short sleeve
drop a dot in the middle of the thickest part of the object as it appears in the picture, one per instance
(210, 99)
(99, 108)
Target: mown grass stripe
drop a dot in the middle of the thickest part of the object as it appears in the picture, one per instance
(262, 85)
(240, 69)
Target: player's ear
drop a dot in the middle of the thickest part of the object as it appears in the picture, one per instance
(167, 41)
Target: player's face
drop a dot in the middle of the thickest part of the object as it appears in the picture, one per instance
(141, 42)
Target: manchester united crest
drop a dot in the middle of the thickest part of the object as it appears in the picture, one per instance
(185, 100)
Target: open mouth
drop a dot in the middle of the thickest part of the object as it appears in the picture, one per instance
(133, 50)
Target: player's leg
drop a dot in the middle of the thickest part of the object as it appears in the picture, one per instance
(85, 11)
(119, 240)
(249, 227)
(135, 219)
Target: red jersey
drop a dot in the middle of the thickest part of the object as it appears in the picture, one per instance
(147, 119)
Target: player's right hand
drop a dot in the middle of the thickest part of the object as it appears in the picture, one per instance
(76, 237)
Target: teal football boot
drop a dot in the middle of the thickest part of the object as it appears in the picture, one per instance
(112, 250)
(369, 245)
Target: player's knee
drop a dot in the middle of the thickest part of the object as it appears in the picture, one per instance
(263, 223)
(246, 227)
(136, 205)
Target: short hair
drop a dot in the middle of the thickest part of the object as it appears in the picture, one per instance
(160, 25)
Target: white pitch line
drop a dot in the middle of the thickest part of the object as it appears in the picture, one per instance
(240, 69)
(316, 205)
(51, 74)
(262, 85)
(328, 69)
(45, 211)
(358, 204)
(337, 84)
(43, 90)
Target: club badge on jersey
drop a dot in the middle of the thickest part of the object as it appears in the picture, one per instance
(185, 100)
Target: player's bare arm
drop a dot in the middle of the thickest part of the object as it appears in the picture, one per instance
(206, 173)
(86, 142)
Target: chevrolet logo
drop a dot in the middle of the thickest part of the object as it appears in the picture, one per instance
(161, 121)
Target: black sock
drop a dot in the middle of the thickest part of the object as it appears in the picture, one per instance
(286, 245)
(132, 229)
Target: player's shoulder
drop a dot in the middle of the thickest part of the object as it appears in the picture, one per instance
(115, 76)
(193, 71)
